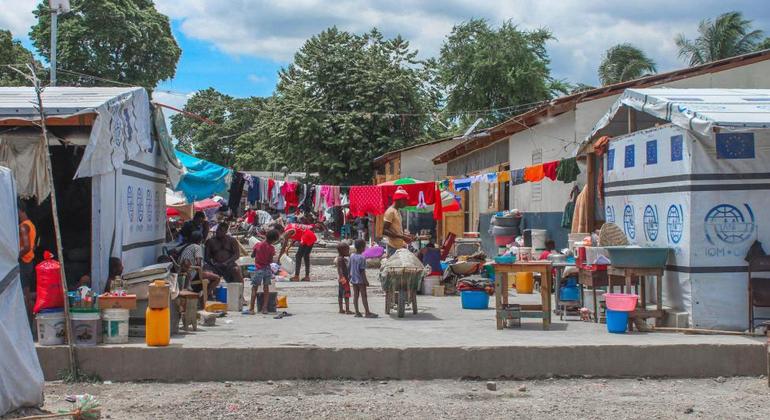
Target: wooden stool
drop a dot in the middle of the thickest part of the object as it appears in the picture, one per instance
(189, 305)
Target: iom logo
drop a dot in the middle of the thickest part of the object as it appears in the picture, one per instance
(650, 221)
(610, 214)
(727, 224)
(675, 223)
(139, 205)
(628, 222)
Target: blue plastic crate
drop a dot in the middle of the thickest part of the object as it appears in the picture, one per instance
(474, 299)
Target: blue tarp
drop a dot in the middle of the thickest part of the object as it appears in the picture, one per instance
(203, 179)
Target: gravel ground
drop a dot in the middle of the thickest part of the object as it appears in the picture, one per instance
(733, 398)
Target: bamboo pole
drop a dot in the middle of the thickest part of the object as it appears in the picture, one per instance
(57, 231)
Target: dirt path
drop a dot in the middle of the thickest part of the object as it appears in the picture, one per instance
(733, 398)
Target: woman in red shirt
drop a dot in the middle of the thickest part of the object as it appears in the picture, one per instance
(304, 235)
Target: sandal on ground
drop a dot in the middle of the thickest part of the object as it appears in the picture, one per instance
(359, 315)
(305, 279)
(370, 315)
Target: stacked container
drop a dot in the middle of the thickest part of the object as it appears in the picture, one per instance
(158, 315)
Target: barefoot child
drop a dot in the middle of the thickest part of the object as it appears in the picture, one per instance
(263, 254)
(343, 271)
(358, 278)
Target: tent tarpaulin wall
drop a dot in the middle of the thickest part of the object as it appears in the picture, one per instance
(21, 379)
(704, 197)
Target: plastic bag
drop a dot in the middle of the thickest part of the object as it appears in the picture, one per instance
(49, 290)
(287, 263)
(281, 302)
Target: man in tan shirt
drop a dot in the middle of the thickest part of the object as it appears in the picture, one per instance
(392, 227)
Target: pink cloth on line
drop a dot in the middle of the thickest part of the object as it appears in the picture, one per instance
(366, 199)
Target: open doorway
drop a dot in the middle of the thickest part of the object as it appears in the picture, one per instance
(74, 207)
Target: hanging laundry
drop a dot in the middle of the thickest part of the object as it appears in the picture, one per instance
(336, 196)
(443, 185)
(534, 173)
(276, 200)
(580, 214)
(504, 176)
(427, 188)
(568, 170)
(307, 203)
(549, 169)
(600, 148)
(318, 199)
(477, 178)
(491, 178)
(462, 184)
(236, 192)
(270, 188)
(517, 176)
(253, 194)
(366, 199)
(289, 193)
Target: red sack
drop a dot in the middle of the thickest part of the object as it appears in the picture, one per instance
(49, 291)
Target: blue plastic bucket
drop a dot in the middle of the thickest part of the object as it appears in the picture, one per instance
(617, 321)
(221, 294)
(474, 299)
(569, 293)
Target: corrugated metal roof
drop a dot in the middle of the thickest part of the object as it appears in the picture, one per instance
(18, 102)
(562, 104)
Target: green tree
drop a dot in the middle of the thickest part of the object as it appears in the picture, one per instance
(13, 53)
(624, 62)
(764, 45)
(727, 36)
(345, 100)
(227, 137)
(484, 68)
(123, 40)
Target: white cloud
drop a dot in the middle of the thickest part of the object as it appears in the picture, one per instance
(253, 78)
(16, 16)
(585, 29)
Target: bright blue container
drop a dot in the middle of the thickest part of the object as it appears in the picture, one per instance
(569, 293)
(617, 321)
(474, 299)
(221, 294)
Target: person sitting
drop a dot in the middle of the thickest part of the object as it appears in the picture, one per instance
(222, 251)
(197, 223)
(550, 247)
(431, 256)
(191, 255)
(115, 270)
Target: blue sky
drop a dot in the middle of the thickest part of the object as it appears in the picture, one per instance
(237, 46)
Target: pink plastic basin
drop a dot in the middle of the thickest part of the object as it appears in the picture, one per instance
(620, 302)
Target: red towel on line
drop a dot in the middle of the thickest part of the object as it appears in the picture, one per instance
(366, 199)
(549, 169)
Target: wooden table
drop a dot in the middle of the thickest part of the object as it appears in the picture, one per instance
(633, 274)
(501, 290)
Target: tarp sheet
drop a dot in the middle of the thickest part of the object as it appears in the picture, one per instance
(24, 154)
(703, 197)
(202, 179)
(174, 168)
(697, 110)
(21, 379)
(122, 129)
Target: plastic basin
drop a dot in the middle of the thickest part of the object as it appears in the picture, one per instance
(621, 302)
(474, 299)
(505, 259)
(637, 257)
(617, 321)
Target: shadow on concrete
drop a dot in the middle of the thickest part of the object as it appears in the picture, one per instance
(530, 325)
(421, 316)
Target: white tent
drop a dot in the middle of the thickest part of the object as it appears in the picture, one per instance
(694, 177)
(21, 379)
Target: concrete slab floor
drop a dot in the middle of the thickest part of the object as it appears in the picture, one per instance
(441, 322)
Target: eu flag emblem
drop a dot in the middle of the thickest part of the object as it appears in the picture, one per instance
(735, 145)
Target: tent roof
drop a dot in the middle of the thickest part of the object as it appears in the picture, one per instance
(699, 110)
(17, 102)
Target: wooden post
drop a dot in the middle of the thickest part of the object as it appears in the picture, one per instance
(631, 113)
(57, 231)
(591, 190)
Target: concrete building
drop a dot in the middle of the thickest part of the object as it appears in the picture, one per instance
(551, 132)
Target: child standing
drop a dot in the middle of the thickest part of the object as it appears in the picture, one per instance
(263, 254)
(358, 278)
(343, 271)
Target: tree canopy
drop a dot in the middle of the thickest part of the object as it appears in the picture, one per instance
(12, 52)
(726, 36)
(482, 68)
(624, 62)
(127, 41)
(346, 99)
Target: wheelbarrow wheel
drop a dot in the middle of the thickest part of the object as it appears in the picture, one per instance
(401, 303)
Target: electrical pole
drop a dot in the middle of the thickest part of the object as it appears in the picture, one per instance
(57, 6)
